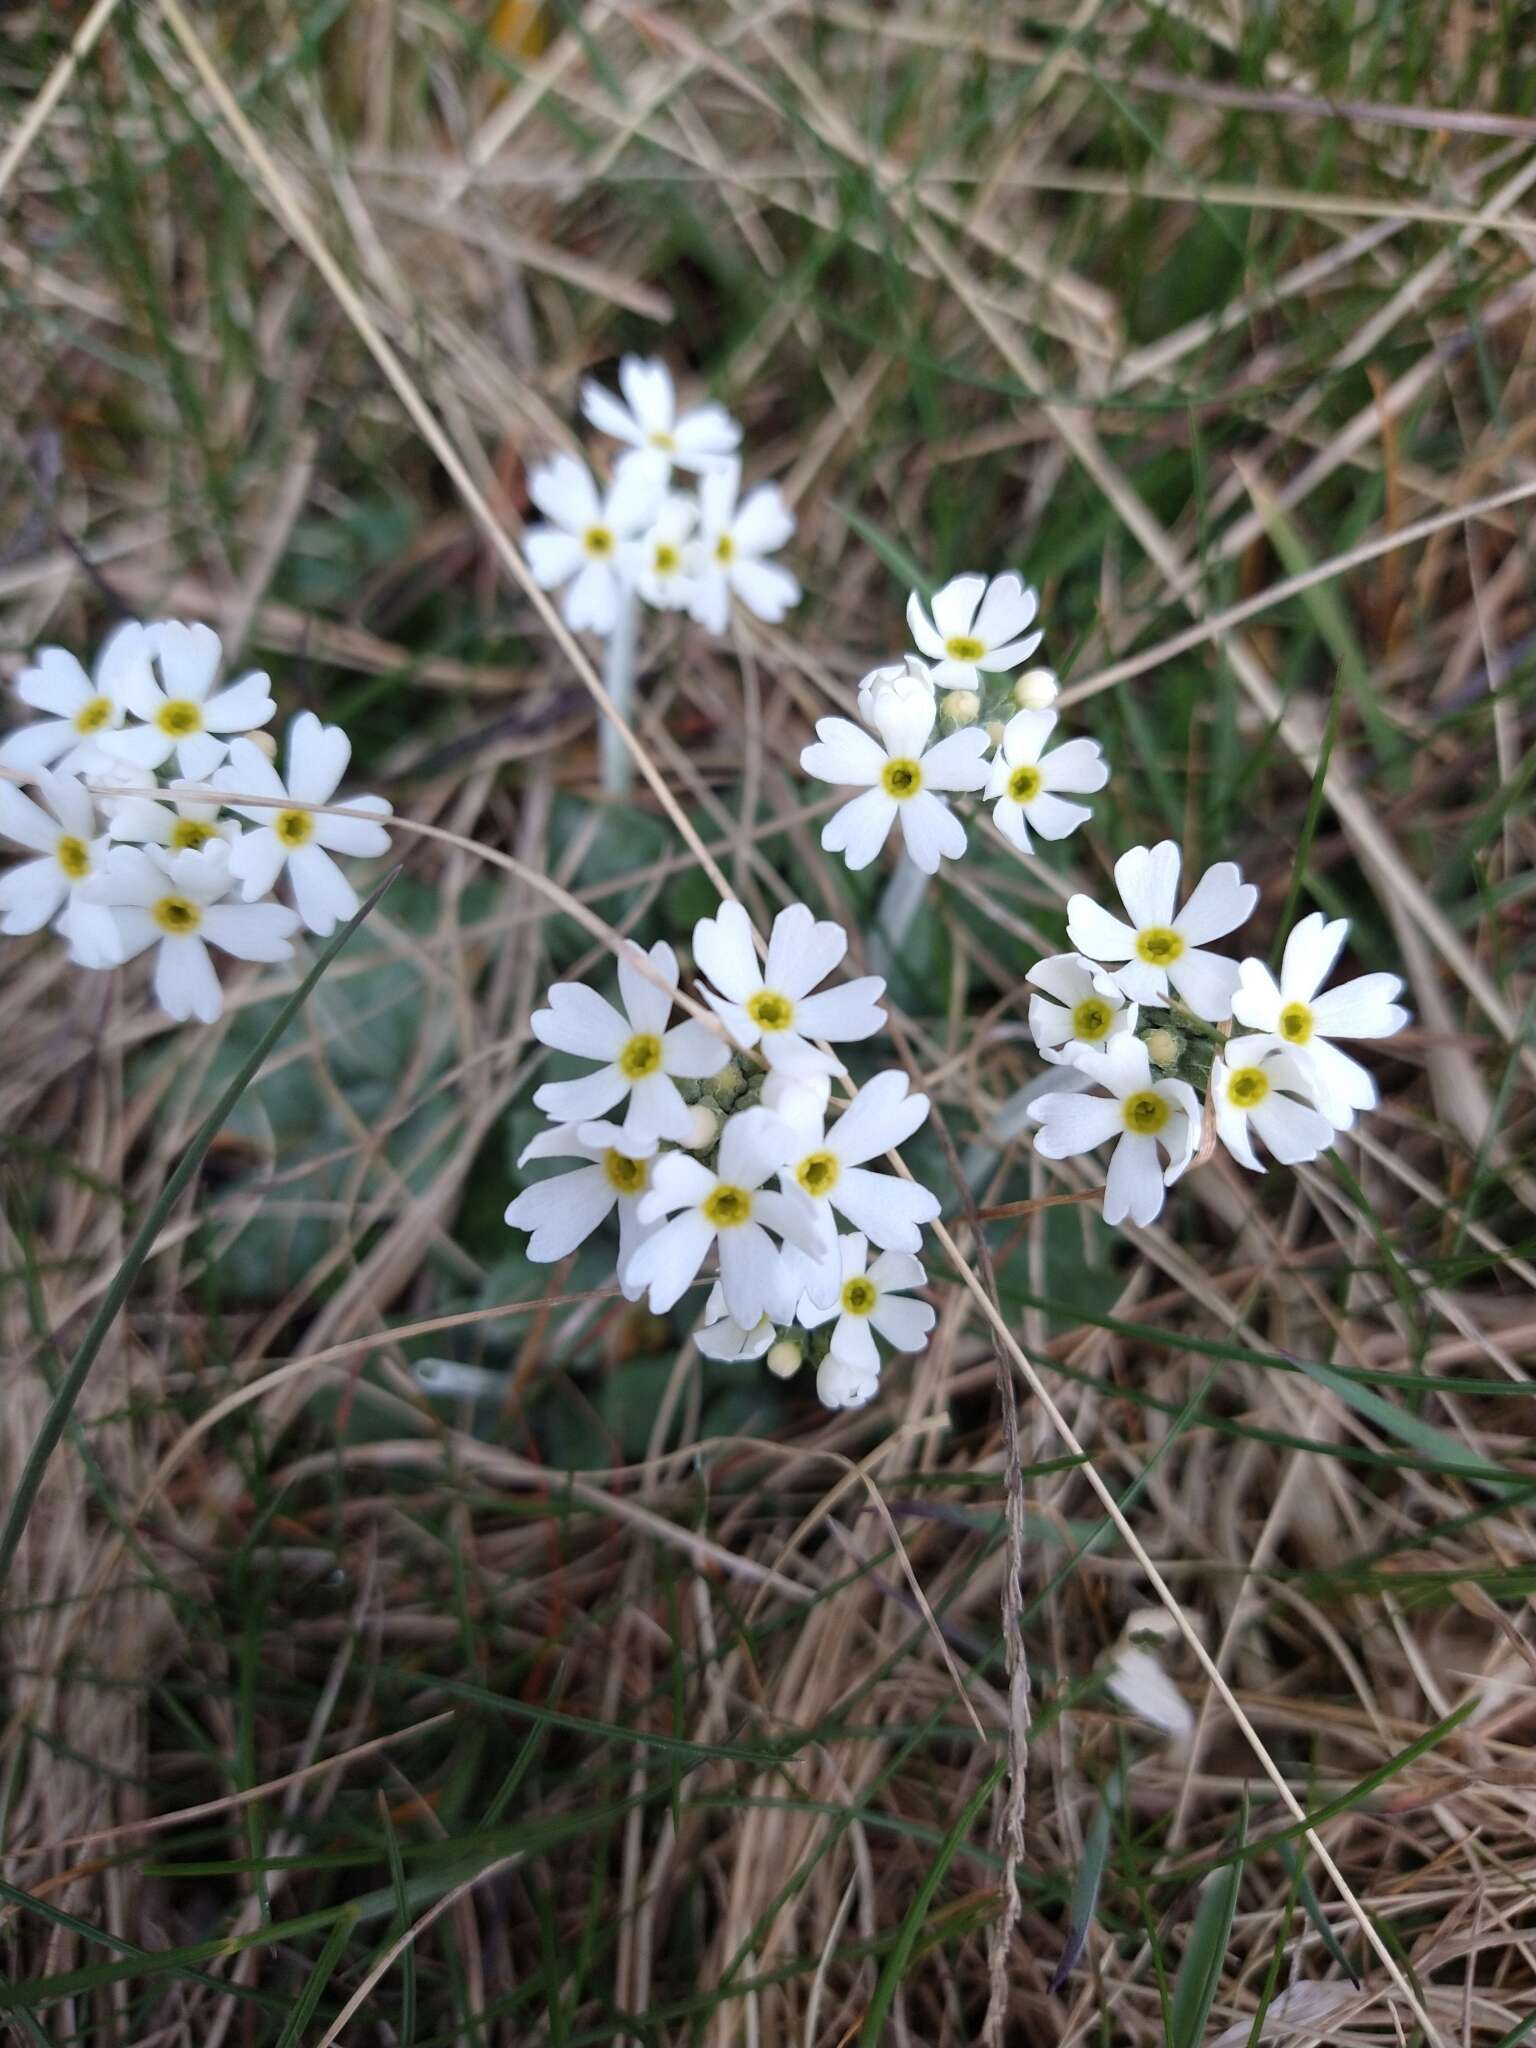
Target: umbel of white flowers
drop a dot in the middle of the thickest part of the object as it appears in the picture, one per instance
(1140, 1021)
(177, 868)
(644, 538)
(954, 720)
(740, 1161)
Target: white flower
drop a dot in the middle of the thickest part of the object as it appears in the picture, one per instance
(728, 1204)
(871, 1298)
(178, 822)
(661, 564)
(296, 836)
(639, 1056)
(1087, 1008)
(720, 1336)
(1307, 1021)
(773, 1005)
(1141, 1113)
(182, 718)
(584, 545)
(907, 681)
(1249, 1081)
(733, 541)
(648, 421)
(845, 1382)
(1036, 690)
(563, 1212)
(1026, 781)
(1159, 949)
(70, 852)
(903, 780)
(976, 627)
(81, 707)
(828, 1166)
(175, 901)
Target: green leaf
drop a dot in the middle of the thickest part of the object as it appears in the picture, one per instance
(1194, 1990)
(1085, 1890)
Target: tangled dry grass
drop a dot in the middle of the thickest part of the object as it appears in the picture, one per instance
(413, 1646)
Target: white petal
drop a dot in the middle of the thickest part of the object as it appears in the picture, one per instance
(954, 605)
(92, 932)
(645, 1004)
(1221, 902)
(709, 600)
(860, 828)
(851, 1010)
(958, 762)
(802, 951)
(1310, 952)
(187, 656)
(1070, 1124)
(705, 436)
(724, 953)
(1023, 741)
(562, 1212)
(1078, 767)
(1361, 1009)
(678, 1181)
(1066, 977)
(185, 982)
(792, 1215)
(752, 1277)
(1007, 610)
(317, 759)
(840, 1383)
(142, 746)
(355, 836)
(199, 755)
(921, 629)
(656, 1110)
(248, 772)
(25, 822)
(753, 1145)
(1232, 1123)
(1340, 1086)
(667, 1264)
(324, 896)
(554, 556)
(34, 746)
(569, 1141)
(579, 1020)
(256, 860)
(888, 1210)
(1053, 817)
(1148, 880)
(250, 931)
(578, 1101)
(842, 753)
(853, 1342)
(647, 386)
(902, 1322)
(140, 820)
(1206, 982)
(242, 707)
(766, 589)
(606, 413)
(564, 492)
(880, 1118)
(904, 718)
(997, 660)
(1093, 931)
(1291, 1130)
(1256, 1001)
(930, 831)
(764, 522)
(692, 1050)
(30, 894)
(1134, 1184)
(56, 682)
(591, 604)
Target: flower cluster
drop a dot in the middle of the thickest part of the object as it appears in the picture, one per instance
(640, 535)
(924, 747)
(1139, 1019)
(134, 841)
(722, 1141)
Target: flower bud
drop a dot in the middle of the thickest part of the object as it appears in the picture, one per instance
(726, 1085)
(783, 1359)
(995, 731)
(906, 682)
(960, 707)
(1163, 1048)
(703, 1127)
(1036, 690)
(265, 742)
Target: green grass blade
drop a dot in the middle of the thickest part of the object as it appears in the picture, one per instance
(1194, 1990)
(1085, 1891)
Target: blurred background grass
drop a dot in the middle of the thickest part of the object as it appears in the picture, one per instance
(498, 1673)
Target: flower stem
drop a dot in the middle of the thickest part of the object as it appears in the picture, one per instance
(616, 762)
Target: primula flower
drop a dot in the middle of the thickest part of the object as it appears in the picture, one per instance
(1307, 1021)
(70, 853)
(904, 776)
(733, 541)
(721, 1337)
(1081, 1010)
(563, 1212)
(872, 1298)
(182, 718)
(640, 1057)
(772, 1006)
(846, 1382)
(179, 822)
(1253, 1086)
(661, 563)
(976, 627)
(584, 547)
(296, 836)
(1026, 781)
(727, 1204)
(904, 682)
(1159, 949)
(649, 422)
(176, 901)
(81, 707)
(1142, 1114)
(827, 1165)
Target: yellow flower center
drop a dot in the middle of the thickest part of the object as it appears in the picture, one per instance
(1091, 1019)
(727, 1207)
(294, 828)
(190, 835)
(1145, 1113)
(770, 1011)
(178, 717)
(93, 714)
(817, 1172)
(177, 915)
(901, 779)
(1247, 1087)
(668, 558)
(627, 1176)
(725, 549)
(1296, 1023)
(73, 856)
(1024, 784)
(640, 1056)
(859, 1295)
(1159, 945)
(964, 647)
(665, 442)
(598, 542)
